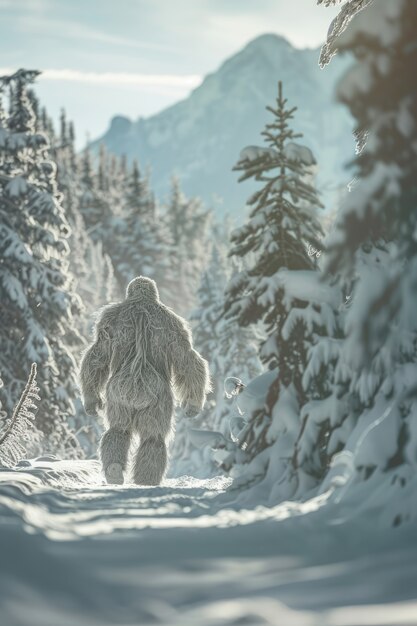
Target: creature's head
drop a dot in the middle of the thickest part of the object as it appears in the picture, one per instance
(142, 288)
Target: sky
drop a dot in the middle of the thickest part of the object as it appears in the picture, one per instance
(102, 58)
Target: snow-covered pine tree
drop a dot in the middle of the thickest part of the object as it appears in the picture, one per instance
(279, 288)
(330, 406)
(102, 170)
(95, 202)
(37, 303)
(71, 143)
(138, 193)
(117, 183)
(63, 151)
(373, 248)
(187, 223)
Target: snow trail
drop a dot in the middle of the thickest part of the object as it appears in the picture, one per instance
(76, 551)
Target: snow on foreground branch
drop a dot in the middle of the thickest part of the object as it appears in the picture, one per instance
(338, 26)
(19, 430)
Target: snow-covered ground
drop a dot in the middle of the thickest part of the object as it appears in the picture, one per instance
(77, 552)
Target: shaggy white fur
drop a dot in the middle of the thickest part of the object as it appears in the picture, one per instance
(142, 359)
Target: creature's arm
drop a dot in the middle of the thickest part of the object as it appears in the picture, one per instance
(94, 370)
(190, 372)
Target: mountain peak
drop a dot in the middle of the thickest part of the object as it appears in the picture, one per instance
(269, 40)
(200, 138)
(269, 47)
(120, 124)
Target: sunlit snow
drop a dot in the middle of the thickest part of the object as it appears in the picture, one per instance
(75, 550)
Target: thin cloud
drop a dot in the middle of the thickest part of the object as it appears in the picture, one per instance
(118, 78)
(75, 30)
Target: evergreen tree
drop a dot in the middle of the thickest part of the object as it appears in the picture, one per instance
(187, 223)
(279, 287)
(372, 252)
(138, 195)
(95, 203)
(102, 172)
(63, 151)
(210, 300)
(38, 305)
(281, 227)
(71, 143)
(330, 405)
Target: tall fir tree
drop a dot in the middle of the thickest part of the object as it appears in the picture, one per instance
(38, 305)
(278, 287)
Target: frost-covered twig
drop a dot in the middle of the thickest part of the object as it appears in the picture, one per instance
(338, 25)
(15, 435)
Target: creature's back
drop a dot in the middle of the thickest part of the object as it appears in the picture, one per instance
(141, 352)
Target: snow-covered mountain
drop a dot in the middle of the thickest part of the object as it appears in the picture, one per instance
(200, 137)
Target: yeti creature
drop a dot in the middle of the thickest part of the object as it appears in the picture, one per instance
(142, 358)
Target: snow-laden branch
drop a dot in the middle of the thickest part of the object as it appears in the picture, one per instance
(338, 26)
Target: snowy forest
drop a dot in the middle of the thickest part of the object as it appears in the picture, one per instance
(306, 447)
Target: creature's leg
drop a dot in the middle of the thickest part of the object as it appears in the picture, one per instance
(151, 461)
(114, 445)
(154, 426)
